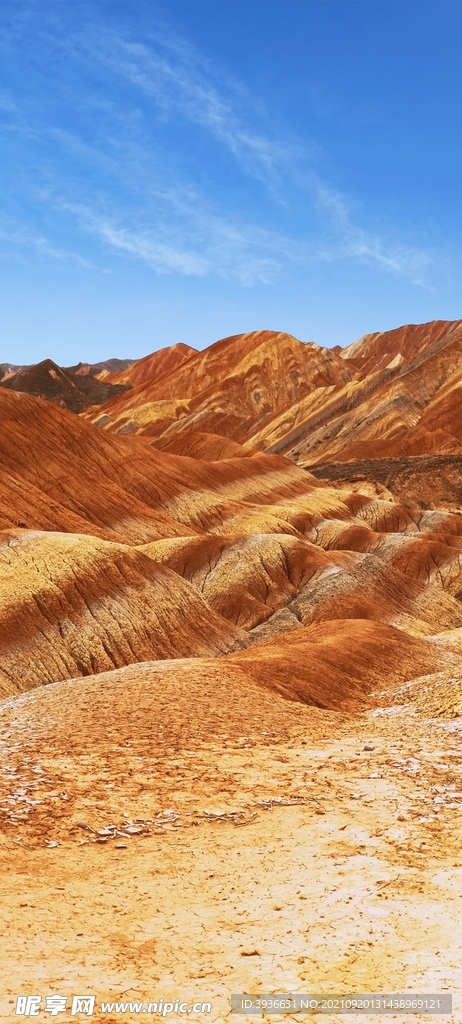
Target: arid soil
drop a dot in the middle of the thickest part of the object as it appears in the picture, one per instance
(230, 676)
(348, 879)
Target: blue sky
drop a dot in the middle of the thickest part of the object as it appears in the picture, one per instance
(184, 171)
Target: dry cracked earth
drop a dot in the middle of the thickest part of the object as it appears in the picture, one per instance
(230, 678)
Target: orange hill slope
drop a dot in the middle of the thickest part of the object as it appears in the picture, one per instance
(198, 444)
(56, 465)
(228, 388)
(152, 367)
(271, 583)
(406, 407)
(74, 605)
(248, 543)
(374, 351)
(58, 473)
(76, 464)
(391, 394)
(260, 523)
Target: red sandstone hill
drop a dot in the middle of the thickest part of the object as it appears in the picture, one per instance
(393, 394)
(177, 524)
(230, 388)
(375, 351)
(150, 368)
(244, 549)
(403, 405)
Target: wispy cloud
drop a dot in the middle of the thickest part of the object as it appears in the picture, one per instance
(188, 238)
(354, 242)
(181, 80)
(17, 236)
(111, 178)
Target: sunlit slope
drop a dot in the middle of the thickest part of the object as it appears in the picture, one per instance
(228, 388)
(272, 583)
(60, 472)
(122, 548)
(336, 666)
(200, 445)
(151, 367)
(73, 605)
(389, 394)
(374, 351)
(407, 407)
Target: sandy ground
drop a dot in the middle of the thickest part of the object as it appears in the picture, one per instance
(357, 888)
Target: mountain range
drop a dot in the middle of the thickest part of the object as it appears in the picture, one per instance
(261, 487)
(231, 594)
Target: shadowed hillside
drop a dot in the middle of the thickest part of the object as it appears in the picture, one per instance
(74, 391)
